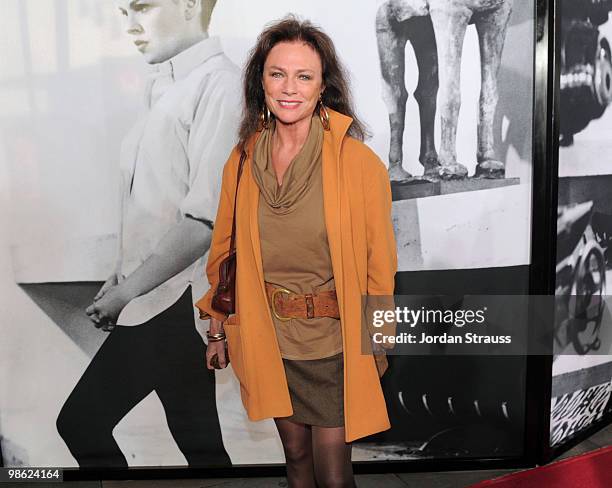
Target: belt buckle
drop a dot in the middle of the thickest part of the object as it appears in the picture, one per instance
(274, 293)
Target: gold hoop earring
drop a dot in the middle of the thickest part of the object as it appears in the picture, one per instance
(265, 117)
(323, 114)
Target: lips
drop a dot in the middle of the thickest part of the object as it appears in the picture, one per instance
(289, 104)
(141, 45)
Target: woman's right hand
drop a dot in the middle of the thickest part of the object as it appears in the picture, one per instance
(217, 347)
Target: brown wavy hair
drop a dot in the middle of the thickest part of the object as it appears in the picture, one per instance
(336, 94)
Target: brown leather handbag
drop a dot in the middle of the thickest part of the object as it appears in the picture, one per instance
(224, 298)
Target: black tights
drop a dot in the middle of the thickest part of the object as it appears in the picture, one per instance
(315, 456)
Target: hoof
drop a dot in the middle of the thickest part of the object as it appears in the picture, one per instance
(452, 171)
(398, 174)
(490, 169)
(431, 172)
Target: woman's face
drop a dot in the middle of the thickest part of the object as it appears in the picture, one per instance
(292, 81)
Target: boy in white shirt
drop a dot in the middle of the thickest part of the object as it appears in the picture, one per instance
(171, 166)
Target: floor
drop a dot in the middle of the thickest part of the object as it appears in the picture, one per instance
(455, 479)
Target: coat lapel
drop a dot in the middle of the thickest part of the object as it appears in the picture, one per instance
(332, 141)
(253, 198)
(254, 223)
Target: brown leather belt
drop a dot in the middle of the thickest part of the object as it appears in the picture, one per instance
(286, 305)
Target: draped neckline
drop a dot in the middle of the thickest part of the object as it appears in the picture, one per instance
(282, 198)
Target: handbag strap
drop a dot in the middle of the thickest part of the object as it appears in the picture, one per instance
(232, 247)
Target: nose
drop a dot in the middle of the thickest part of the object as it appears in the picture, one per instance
(133, 27)
(289, 86)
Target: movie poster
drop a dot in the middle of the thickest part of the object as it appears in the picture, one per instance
(449, 111)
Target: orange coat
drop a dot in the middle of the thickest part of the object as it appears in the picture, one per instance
(357, 204)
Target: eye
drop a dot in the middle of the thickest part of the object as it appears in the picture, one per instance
(123, 12)
(142, 7)
(276, 74)
(305, 77)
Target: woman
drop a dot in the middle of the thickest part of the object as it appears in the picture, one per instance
(313, 235)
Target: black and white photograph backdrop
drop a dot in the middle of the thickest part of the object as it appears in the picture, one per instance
(88, 102)
(457, 85)
(582, 367)
(585, 88)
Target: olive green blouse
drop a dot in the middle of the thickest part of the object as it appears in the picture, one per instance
(294, 248)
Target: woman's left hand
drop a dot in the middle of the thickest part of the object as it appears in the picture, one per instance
(216, 348)
(105, 311)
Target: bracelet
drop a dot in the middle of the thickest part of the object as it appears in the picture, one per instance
(215, 337)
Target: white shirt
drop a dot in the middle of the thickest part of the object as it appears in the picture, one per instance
(172, 163)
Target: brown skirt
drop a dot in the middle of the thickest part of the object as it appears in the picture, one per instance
(316, 388)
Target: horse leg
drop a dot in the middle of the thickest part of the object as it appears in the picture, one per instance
(424, 43)
(391, 45)
(491, 27)
(450, 22)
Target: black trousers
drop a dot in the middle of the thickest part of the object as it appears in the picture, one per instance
(165, 355)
